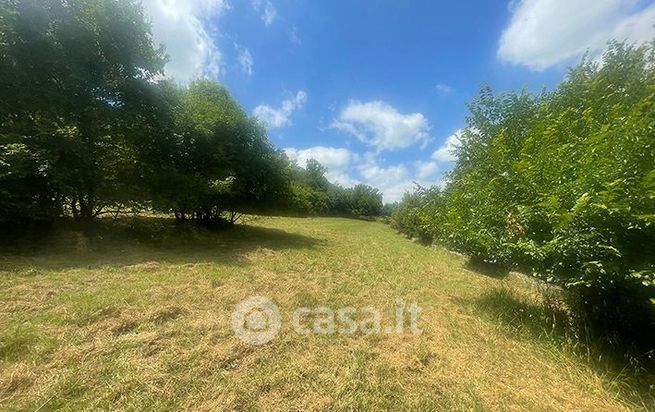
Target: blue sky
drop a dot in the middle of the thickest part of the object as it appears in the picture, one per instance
(377, 90)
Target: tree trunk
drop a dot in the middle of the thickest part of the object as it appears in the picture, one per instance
(74, 209)
(86, 195)
(86, 208)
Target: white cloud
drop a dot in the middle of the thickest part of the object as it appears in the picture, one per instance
(266, 9)
(245, 61)
(380, 125)
(543, 33)
(330, 157)
(446, 153)
(348, 169)
(393, 181)
(443, 89)
(177, 24)
(336, 160)
(425, 170)
(280, 117)
(637, 27)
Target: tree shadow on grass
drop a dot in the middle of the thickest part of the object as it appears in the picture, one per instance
(524, 315)
(548, 321)
(491, 270)
(131, 241)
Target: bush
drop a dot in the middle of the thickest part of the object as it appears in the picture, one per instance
(561, 184)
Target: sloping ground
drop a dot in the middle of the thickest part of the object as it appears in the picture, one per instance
(102, 322)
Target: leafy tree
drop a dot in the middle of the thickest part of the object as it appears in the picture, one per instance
(315, 175)
(74, 79)
(87, 123)
(215, 162)
(309, 189)
(388, 209)
(364, 200)
(561, 184)
(313, 194)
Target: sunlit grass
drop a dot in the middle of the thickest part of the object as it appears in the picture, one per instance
(137, 317)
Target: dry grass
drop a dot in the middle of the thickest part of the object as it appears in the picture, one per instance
(138, 318)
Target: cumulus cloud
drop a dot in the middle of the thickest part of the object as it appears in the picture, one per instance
(393, 181)
(543, 33)
(178, 25)
(349, 169)
(446, 153)
(396, 180)
(279, 117)
(425, 170)
(336, 160)
(378, 124)
(245, 60)
(266, 9)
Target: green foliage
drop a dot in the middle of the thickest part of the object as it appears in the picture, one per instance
(313, 194)
(561, 184)
(87, 126)
(74, 81)
(413, 215)
(364, 200)
(214, 160)
(25, 192)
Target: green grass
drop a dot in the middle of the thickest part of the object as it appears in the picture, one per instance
(135, 315)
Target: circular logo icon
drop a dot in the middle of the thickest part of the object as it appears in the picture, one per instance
(256, 320)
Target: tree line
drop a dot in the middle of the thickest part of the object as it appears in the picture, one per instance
(561, 184)
(312, 193)
(90, 126)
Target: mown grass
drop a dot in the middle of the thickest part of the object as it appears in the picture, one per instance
(134, 315)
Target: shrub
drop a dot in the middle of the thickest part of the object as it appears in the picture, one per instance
(561, 184)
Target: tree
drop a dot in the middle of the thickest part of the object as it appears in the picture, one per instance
(87, 123)
(365, 200)
(561, 184)
(75, 80)
(215, 162)
(312, 193)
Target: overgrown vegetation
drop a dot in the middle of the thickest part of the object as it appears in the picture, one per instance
(561, 184)
(88, 127)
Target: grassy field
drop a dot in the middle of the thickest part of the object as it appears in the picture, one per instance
(137, 316)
